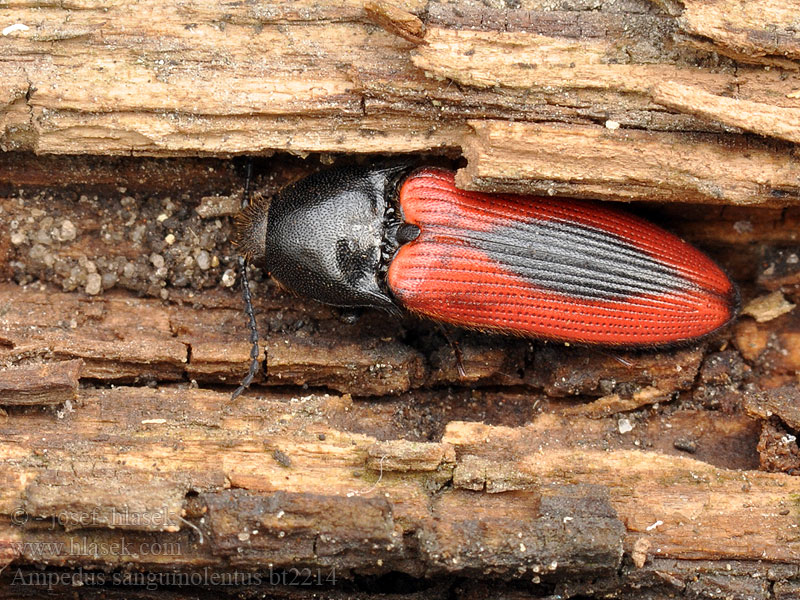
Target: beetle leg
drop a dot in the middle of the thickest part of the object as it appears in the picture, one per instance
(459, 356)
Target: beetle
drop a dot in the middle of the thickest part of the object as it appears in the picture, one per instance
(407, 239)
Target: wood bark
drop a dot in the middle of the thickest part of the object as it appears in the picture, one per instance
(362, 462)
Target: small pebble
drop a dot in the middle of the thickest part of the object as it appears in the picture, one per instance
(42, 237)
(68, 231)
(203, 260)
(686, 445)
(228, 278)
(157, 260)
(137, 235)
(624, 425)
(109, 280)
(94, 283)
(37, 252)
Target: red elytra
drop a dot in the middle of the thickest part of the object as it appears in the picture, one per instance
(551, 268)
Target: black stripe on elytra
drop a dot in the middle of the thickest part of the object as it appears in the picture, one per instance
(571, 259)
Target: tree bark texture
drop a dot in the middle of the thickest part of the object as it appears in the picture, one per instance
(363, 462)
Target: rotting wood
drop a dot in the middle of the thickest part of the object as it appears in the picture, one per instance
(577, 510)
(538, 384)
(779, 411)
(772, 347)
(101, 173)
(402, 455)
(395, 19)
(563, 489)
(199, 83)
(762, 30)
(768, 307)
(125, 339)
(780, 402)
(781, 269)
(775, 121)
(47, 383)
(105, 219)
(590, 161)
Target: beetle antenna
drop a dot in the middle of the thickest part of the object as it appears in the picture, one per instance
(248, 301)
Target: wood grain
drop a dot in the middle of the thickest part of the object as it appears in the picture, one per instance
(776, 121)
(547, 497)
(762, 29)
(203, 79)
(668, 167)
(49, 383)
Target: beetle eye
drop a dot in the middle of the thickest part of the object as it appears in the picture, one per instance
(407, 232)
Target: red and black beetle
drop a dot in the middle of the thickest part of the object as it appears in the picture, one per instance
(549, 268)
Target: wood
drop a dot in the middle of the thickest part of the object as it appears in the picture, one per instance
(302, 507)
(765, 29)
(208, 343)
(48, 384)
(775, 121)
(363, 456)
(591, 161)
(194, 80)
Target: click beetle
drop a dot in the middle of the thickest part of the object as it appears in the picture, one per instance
(403, 239)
